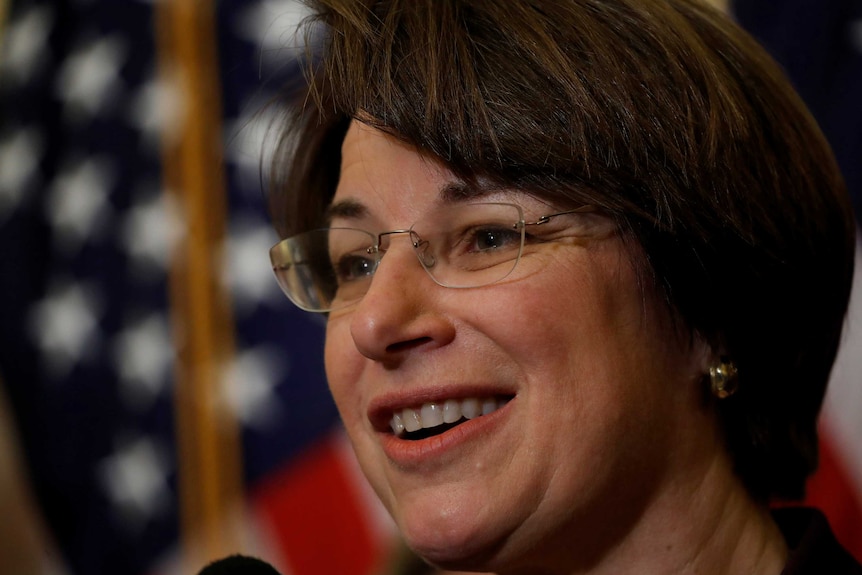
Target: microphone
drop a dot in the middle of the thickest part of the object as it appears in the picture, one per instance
(239, 565)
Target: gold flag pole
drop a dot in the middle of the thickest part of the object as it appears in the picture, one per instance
(4, 14)
(210, 484)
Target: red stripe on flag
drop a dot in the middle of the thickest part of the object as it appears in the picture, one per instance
(831, 491)
(313, 512)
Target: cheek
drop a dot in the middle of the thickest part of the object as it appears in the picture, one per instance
(592, 345)
(583, 311)
(344, 366)
(342, 363)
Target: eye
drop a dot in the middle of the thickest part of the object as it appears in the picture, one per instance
(487, 239)
(354, 267)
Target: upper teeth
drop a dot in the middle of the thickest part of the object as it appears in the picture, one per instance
(433, 414)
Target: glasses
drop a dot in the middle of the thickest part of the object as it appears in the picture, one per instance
(460, 246)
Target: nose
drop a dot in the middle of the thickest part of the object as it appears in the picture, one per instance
(400, 314)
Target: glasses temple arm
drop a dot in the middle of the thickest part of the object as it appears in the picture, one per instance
(545, 219)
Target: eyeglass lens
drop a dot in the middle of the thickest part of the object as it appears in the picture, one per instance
(460, 246)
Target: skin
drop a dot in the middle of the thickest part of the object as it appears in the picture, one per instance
(607, 459)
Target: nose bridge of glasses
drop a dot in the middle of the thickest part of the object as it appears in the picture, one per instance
(420, 246)
(384, 239)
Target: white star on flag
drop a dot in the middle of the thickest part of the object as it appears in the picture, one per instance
(250, 141)
(248, 385)
(90, 77)
(150, 233)
(272, 26)
(19, 158)
(24, 47)
(158, 111)
(135, 478)
(65, 326)
(143, 357)
(247, 269)
(78, 204)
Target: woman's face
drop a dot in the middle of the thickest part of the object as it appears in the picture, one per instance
(598, 411)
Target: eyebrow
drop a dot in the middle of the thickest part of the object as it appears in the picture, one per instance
(451, 193)
(347, 209)
(455, 192)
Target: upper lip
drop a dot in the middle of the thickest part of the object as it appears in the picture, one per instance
(382, 407)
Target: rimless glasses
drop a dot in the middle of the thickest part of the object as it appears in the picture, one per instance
(460, 246)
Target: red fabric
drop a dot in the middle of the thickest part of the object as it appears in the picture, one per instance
(313, 511)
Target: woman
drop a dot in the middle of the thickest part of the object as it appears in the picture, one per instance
(617, 259)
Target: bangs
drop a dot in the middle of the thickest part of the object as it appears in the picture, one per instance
(471, 84)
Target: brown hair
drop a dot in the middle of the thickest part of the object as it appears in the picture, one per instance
(660, 112)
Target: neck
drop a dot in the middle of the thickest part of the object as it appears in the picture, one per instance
(710, 528)
(703, 522)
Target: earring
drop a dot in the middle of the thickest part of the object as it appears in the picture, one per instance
(724, 379)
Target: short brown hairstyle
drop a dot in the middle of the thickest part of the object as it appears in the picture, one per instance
(662, 113)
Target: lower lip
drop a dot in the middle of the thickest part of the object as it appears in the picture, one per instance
(411, 453)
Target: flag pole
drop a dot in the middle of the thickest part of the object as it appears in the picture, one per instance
(209, 468)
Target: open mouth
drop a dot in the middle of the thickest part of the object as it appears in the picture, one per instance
(435, 418)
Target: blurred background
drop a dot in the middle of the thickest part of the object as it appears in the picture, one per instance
(161, 403)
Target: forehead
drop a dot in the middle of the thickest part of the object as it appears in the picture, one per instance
(380, 173)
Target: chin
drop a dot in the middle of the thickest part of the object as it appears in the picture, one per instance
(452, 545)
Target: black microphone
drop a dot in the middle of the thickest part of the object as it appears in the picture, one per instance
(239, 565)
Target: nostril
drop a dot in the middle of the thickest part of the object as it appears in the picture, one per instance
(407, 345)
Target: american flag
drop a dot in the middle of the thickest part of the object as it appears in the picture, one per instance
(95, 340)
(819, 44)
(103, 357)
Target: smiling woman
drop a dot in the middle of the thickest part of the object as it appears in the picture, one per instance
(585, 265)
